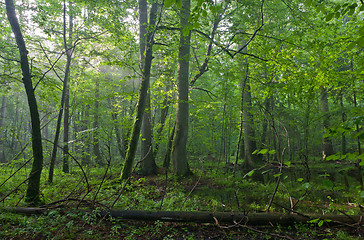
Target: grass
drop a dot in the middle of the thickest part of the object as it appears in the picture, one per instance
(212, 188)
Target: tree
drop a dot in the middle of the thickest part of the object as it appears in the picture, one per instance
(143, 92)
(148, 166)
(32, 194)
(179, 150)
(65, 95)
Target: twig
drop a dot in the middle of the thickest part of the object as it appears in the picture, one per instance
(128, 179)
(188, 195)
(107, 169)
(78, 163)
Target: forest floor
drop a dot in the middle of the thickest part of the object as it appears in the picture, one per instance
(210, 189)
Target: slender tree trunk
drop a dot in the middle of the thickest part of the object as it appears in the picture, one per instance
(179, 148)
(2, 135)
(66, 120)
(357, 164)
(343, 119)
(69, 52)
(143, 92)
(96, 139)
(119, 139)
(32, 194)
(327, 148)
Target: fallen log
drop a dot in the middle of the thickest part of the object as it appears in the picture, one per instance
(213, 217)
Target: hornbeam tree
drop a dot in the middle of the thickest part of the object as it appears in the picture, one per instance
(32, 194)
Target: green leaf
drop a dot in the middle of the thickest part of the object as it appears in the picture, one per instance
(361, 163)
(327, 183)
(272, 152)
(329, 17)
(179, 3)
(168, 3)
(362, 194)
(306, 185)
(299, 179)
(277, 175)
(249, 174)
(320, 223)
(288, 163)
(263, 151)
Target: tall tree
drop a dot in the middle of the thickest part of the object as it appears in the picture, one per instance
(32, 194)
(179, 148)
(65, 92)
(143, 92)
(148, 166)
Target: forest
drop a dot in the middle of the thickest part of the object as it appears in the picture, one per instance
(181, 119)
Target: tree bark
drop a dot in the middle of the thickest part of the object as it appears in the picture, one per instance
(212, 217)
(327, 148)
(96, 139)
(179, 148)
(69, 52)
(66, 120)
(250, 160)
(2, 132)
(148, 166)
(143, 92)
(32, 194)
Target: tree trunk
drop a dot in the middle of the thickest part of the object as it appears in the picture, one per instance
(179, 148)
(32, 194)
(2, 135)
(327, 148)
(96, 139)
(148, 166)
(214, 217)
(119, 139)
(250, 160)
(66, 121)
(143, 92)
(66, 127)
(69, 52)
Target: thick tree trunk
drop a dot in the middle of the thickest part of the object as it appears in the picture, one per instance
(148, 166)
(213, 217)
(327, 148)
(250, 160)
(179, 148)
(32, 194)
(143, 92)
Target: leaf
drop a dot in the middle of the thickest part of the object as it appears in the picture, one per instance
(299, 179)
(272, 152)
(168, 3)
(320, 223)
(327, 183)
(249, 174)
(263, 151)
(288, 163)
(361, 163)
(329, 17)
(306, 185)
(179, 3)
(362, 194)
(277, 175)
